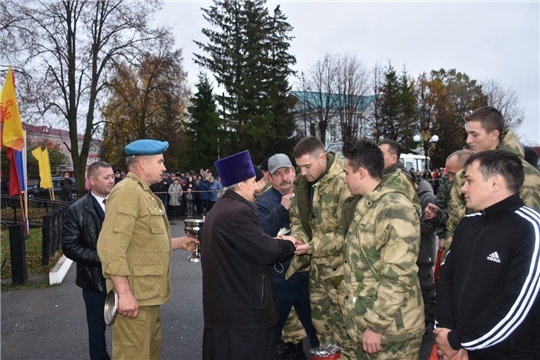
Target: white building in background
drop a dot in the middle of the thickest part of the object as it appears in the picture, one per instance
(39, 133)
(311, 107)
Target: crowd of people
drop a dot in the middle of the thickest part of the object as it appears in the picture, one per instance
(341, 249)
(185, 194)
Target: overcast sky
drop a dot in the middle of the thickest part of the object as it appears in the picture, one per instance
(485, 40)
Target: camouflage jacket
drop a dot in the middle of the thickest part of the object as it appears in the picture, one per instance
(443, 196)
(403, 183)
(529, 191)
(380, 290)
(320, 225)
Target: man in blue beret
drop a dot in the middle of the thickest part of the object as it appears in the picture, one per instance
(135, 247)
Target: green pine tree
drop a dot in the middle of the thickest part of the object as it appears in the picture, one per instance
(202, 128)
(247, 52)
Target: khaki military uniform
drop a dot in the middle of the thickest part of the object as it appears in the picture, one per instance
(135, 242)
(380, 290)
(318, 223)
(529, 191)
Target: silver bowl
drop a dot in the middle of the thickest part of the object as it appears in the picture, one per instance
(111, 307)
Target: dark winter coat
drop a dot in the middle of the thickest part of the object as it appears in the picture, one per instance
(238, 292)
(426, 256)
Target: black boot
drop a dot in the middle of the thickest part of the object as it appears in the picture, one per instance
(290, 351)
(284, 350)
(298, 352)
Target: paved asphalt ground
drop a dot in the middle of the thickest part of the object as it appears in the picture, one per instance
(50, 324)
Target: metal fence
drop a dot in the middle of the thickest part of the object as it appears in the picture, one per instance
(52, 233)
(42, 213)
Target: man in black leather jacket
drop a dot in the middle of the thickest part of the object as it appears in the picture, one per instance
(80, 233)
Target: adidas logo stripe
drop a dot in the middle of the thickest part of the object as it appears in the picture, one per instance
(494, 256)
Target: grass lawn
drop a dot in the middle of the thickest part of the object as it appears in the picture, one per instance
(33, 247)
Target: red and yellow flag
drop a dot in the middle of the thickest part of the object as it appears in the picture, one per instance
(12, 130)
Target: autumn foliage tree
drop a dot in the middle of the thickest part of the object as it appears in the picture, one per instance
(68, 50)
(444, 98)
(148, 99)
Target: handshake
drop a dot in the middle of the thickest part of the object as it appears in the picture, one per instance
(301, 248)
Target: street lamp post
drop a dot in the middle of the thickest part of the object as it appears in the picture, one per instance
(426, 138)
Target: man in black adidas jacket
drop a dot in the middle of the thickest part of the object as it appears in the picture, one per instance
(487, 303)
(80, 232)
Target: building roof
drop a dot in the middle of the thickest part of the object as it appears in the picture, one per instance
(333, 101)
(48, 131)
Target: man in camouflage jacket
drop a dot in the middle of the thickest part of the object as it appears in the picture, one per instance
(315, 216)
(485, 132)
(380, 293)
(395, 174)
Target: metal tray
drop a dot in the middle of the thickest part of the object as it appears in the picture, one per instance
(111, 307)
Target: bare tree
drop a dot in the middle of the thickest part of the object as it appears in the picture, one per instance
(353, 87)
(375, 123)
(70, 48)
(332, 99)
(506, 100)
(319, 95)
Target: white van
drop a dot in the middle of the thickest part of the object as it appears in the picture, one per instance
(416, 162)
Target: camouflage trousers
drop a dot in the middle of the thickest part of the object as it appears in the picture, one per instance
(327, 317)
(293, 332)
(407, 350)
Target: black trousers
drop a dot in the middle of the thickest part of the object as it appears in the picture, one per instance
(257, 344)
(95, 302)
(295, 292)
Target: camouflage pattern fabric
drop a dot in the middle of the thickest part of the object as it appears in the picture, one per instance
(320, 227)
(293, 332)
(406, 350)
(403, 182)
(443, 196)
(380, 290)
(529, 191)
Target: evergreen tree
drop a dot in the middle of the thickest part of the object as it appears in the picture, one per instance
(389, 105)
(247, 54)
(408, 112)
(282, 102)
(202, 128)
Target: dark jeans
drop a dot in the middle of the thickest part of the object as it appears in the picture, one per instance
(95, 302)
(174, 210)
(189, 207)
(295, 292)
(205, 206)
(427, 285)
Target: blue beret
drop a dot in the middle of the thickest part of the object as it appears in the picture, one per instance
(146, 147)
(235, 168)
